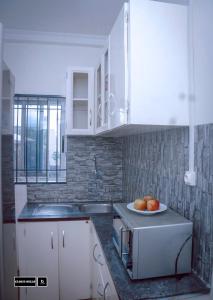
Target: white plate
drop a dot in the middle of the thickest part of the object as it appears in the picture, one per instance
(162, 208)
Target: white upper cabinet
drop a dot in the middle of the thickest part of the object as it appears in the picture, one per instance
(8, 87)
(148, 59)
(102, 93)
(118, 72)
(98, 98)
(80, 101)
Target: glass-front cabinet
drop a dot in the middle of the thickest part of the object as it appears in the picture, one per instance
(102, 94)
(80, 101)
(98, 107)
(106, 87)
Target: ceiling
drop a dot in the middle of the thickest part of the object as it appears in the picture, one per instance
(94, 17)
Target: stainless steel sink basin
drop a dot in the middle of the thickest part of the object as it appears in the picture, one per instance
(96, 208)
(61, 209)
(55, 209)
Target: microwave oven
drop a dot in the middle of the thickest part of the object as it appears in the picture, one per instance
(152, 246)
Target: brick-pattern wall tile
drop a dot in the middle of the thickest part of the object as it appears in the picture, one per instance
(8, 194)
(82, 182)
(156, 162)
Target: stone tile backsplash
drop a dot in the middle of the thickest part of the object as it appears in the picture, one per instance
(132, 166)
(8, 193)
(156, 162)
(83, 183)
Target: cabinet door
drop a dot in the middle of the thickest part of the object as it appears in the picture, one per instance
(8, 87)
(158, 63)
(118, 71)
(80, 101)
(102, 93)
(102, 284)
(98, 99)
(96, 262)
(109, 288)
(74, 260)
(38, 251)
(105, 63)
(97, 282)
(10, 261)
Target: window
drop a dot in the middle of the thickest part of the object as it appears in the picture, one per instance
(39, 139)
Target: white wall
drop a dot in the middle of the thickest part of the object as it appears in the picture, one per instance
(40, 68)
(203, 60)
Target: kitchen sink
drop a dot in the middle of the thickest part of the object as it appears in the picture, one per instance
(96, 208)
(60, 209)
(55, 209)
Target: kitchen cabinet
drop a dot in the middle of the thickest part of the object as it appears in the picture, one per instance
(10, 261)
(118, 64)
(98, 98)
(74, 260)
(60, 251)
(80, 101)
(105, 62)
(38, 256)
(148, 65)
(8, 87)
(102, 93)
(102, 284)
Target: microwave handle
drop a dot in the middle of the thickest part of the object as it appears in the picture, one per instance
(122, 231)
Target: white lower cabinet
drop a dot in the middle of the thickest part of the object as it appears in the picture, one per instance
(38, 256)
(102, 285)
(60, 251)
(74, 260)
(10, 261)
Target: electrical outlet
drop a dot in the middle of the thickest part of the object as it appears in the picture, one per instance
(190, 178)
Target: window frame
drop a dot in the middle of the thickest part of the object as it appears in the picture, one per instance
(27, 100)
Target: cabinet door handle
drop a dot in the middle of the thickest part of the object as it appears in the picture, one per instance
(99, 111)
(111, 100)
(90, 117)
(63, 239)
(96, 259)
(106, 285)
(98, 290)
(52, 246)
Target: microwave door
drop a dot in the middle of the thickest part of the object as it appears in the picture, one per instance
(116, 235)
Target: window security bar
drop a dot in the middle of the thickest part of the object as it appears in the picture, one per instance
(39, 128)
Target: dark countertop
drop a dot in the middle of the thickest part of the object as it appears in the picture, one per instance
(141, 289)
(125, 287)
